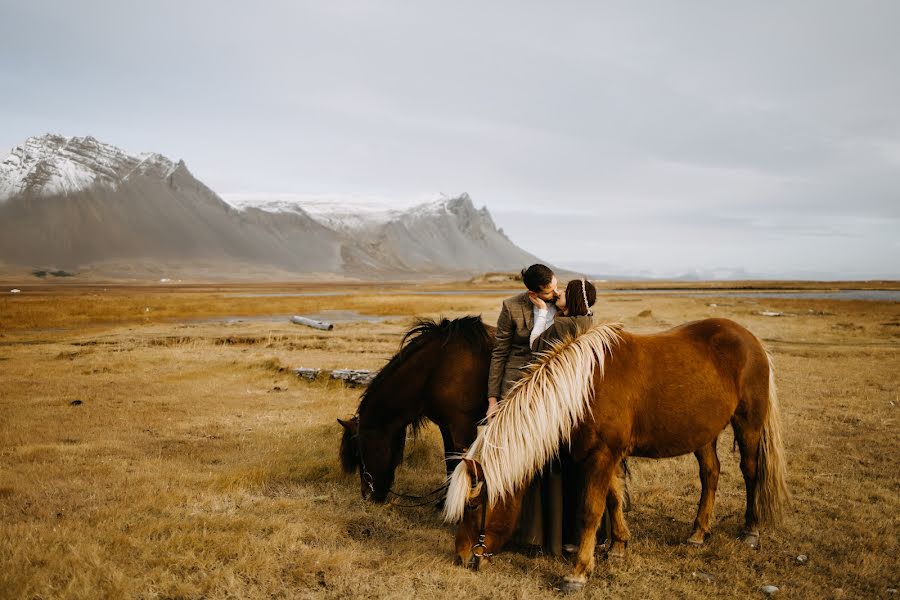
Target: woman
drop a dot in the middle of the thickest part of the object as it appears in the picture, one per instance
(574, 306)
(551, 505)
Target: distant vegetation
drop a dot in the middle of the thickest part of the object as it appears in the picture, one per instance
(42, 273)
(496, 277)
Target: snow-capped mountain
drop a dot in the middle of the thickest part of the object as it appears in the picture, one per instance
(402, 235)
(73, 202)
(342, 212)
(55, 165)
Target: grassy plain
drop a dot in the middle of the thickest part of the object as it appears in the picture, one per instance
(196, 465)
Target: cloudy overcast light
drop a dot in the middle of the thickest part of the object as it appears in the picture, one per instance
(644, 138)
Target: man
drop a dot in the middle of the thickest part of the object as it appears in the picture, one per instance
(522, 318)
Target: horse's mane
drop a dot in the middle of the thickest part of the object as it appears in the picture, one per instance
(470, 329)
(538, 415)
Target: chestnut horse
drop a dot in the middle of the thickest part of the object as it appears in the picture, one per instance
(609, 394)
(440, 374)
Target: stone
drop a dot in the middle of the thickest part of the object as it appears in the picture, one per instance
(703, 575)
(769, 589)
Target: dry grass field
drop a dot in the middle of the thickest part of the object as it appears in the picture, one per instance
(197, 466)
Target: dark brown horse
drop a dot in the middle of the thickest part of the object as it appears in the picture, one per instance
(439, 374)
(609, 394)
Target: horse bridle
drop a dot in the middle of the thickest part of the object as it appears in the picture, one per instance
(366, 476)
(479, 545)
(370, 481)
(479, 550)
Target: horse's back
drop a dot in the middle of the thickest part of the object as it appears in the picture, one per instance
(669, 391)
(457, 384)
(737, 353)
(698, 346)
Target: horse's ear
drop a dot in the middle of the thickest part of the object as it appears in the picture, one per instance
(349, 424)
(476, 482)
(349, 451)
(473, 470)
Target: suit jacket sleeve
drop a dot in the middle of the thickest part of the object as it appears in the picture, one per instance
(502, 339)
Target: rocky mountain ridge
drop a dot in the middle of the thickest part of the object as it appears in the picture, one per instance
(72, 202)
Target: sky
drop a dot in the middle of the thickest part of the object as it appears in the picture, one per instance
(715, 139)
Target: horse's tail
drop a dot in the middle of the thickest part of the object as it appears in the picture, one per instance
(771, 488)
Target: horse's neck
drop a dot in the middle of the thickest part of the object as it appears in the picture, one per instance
(400, 400)
(389, 416)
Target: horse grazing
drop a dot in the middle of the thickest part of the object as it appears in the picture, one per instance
(609, 394)
(440, 374)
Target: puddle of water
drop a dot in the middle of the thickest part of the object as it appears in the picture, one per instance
(381, 293)
(348, 316)
(872, 295)
(331, 316)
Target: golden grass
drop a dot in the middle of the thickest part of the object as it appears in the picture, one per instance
(196, 467)
(71, 307)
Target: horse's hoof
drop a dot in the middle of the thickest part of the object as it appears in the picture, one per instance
(752, 540)
(616, 552)
(571, 584)
(696, 539)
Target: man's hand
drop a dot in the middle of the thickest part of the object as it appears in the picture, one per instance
(537, 301)
(492, 407)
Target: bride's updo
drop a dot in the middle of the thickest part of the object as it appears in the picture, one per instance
(580, 297)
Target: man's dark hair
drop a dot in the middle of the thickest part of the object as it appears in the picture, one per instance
(536, 277)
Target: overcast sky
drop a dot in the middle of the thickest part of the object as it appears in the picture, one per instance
(630, 137)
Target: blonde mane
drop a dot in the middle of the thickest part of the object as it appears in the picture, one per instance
(536, 418)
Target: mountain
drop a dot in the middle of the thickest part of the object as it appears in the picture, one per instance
(71, 202)
(438, 235)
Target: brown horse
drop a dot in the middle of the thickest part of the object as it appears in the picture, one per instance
(440, 374)
(609, 394)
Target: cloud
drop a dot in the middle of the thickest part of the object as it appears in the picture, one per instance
(740, 124)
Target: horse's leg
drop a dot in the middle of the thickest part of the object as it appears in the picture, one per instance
(450, 461)
(709, 481)
(598, 471)
(615, 504)
(748, 439)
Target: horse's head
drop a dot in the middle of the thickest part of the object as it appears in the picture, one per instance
(484, 529)
(374, 455)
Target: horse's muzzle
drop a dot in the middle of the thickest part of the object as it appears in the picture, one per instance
(472, 560)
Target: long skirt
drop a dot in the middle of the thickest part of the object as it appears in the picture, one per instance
(552, 508)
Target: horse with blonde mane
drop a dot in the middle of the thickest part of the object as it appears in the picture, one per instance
(609, 394)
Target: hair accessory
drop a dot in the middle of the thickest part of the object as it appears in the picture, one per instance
(590, 313)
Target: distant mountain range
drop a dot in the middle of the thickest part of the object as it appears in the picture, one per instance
(71, 202)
